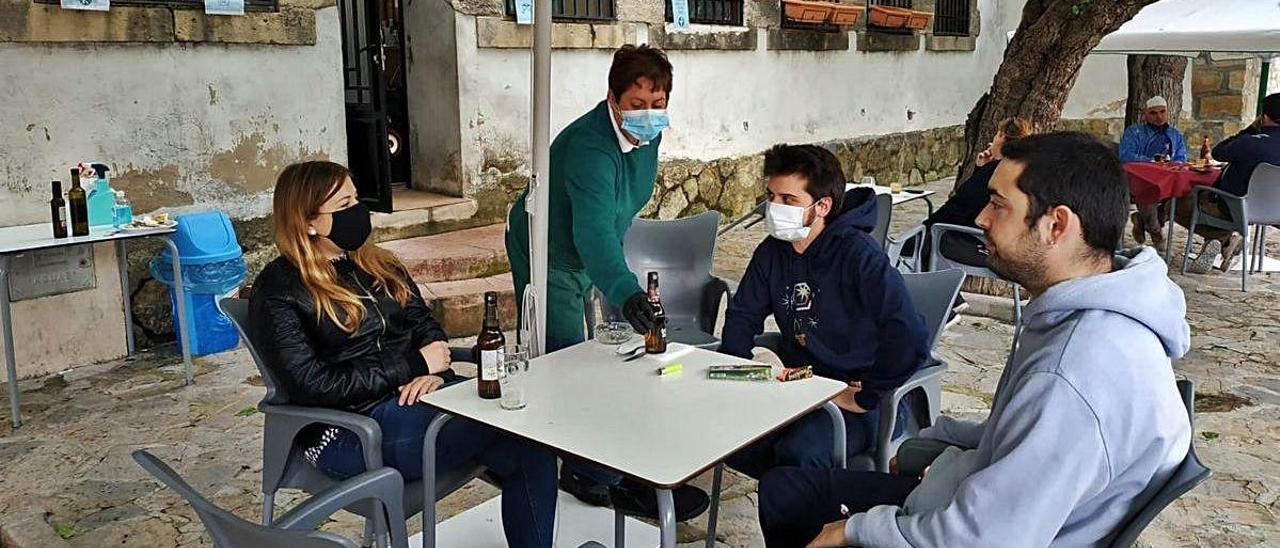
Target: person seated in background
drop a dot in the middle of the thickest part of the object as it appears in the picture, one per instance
(1150, 140)
(1256, 144)
(970, 197)
(340, 323)
(1087, 420)
(841, 307)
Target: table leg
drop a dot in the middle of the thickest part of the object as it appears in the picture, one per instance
(1173, 220)
(184, 338)
(122, 259)
(714, 514)
(930, 204)
(429, 479)
(666, 518)
(839, 447)
(10, 362)
(619, 529)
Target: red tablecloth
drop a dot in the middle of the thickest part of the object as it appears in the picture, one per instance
(1151, 182)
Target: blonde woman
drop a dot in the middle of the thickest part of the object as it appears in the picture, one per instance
(339, 322)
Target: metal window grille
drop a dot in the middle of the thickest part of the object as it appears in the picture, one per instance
(712, 12)
(951, 18)
(249, 5)
(575, 10)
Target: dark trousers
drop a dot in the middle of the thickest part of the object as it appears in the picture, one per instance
(1209, 204)
(527, 474)
(806, 443)
(795, 503)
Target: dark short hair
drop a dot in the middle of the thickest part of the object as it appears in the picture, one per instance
(631, 63)
(1271, 107)
(1075, 170)
(818, 166)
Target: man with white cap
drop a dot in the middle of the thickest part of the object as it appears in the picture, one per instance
(1152, 139)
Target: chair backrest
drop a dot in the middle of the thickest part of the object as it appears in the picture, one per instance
(1188, 475)
(1264, 195)
(680, 251)
(938, 261)
(933, 294)
(237, 310)
(227, 529)
(884, 214)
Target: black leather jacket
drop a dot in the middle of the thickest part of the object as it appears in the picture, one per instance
(319, 364)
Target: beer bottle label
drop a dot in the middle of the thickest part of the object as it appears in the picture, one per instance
(62, 215)
(491, 363)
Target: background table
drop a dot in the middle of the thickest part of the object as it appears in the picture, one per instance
(1151, 183)
(662, 430)
(906, 195)
(16, 240)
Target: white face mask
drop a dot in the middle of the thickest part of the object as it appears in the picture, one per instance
(786, 222)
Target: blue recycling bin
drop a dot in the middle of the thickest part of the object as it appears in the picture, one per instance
(212, 265)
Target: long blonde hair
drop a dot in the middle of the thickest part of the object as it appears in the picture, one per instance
(301, 189)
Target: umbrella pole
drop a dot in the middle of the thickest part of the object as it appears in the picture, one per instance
(541, 168)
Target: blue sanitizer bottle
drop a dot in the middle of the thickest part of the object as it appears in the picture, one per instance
(123, 210)
(101, 199)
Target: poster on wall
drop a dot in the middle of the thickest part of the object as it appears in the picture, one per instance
(680, 13)
(91, 5)
(224, 7)
(524, 12)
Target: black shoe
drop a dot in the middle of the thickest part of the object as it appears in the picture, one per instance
(633, 499)
(583, 488)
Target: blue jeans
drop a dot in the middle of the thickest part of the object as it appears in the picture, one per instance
(527, 474)
(806, 443)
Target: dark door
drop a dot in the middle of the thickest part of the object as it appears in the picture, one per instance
(363, 60)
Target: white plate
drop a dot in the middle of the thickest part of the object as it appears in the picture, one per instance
(135, 227)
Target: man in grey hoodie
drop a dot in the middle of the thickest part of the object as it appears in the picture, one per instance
(1086, 424)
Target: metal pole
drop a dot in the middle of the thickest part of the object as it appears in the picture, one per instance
(180, 318)
(122, 260)
(10, 361)
(541, 167)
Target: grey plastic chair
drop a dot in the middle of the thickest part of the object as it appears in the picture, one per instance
(681, 252)
(938, 261)
(283, 465)
(382, 488)
(933, 294)
(884, 214)
(1259, 207)
(895, 244)
(1188, 475)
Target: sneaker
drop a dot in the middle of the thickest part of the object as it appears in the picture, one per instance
(637, 500)
(1229, 251)
(1136, 230)
(953, 317)
(583, 488)
(1203, 264)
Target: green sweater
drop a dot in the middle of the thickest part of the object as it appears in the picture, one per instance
(595, 193)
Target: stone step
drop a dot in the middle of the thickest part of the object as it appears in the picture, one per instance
(459, 304)
(458, 255)
(421, 213)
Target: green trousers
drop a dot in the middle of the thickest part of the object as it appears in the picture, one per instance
(564, 301)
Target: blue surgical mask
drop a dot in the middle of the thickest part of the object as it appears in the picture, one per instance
(645, 125)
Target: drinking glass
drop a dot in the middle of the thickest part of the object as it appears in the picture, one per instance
(868, 180)
(515, 366)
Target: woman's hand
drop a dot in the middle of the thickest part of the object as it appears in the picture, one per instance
(417, 387)
(437, 357)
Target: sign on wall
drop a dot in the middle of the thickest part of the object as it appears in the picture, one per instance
(524, 12)
(224, 7)
(680, 13)
(51, 272)
(91, 5)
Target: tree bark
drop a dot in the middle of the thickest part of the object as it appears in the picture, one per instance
(1041, 65)
(1151, 75)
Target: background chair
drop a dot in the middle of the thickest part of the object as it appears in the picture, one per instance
(1260, 206)
(884, 214)
(681, 252)
(938, 261)
(1188, 475)
(933, 294)
(283, 465)
(382, 488)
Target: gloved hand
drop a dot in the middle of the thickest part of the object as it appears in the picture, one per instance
(639, 312)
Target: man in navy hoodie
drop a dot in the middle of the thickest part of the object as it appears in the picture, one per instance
(840, 305)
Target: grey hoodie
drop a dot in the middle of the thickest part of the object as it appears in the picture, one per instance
(1086, 425)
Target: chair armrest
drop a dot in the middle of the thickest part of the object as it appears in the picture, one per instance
(1196, 191)
(908, 235)
(709, 310)
(914, 233)
(460, 354)
(383, 485)
(938, 229)
(931, 372)
(294, 418)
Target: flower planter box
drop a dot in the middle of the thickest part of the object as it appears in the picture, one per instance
(806, 11)
(919, 20)
(888, 17)
(846, 15)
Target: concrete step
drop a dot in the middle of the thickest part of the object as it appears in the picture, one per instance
(420, 213)
(459, 304)
(458, 255)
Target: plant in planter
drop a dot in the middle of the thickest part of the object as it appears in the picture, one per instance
(807, 11)
(846, 14)
(888, 17)
(919, 20)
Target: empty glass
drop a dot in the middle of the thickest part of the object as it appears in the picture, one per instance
(515, 366)
(868, 180)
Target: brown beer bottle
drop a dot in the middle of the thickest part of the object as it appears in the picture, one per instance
(490, 347)
(58, 211)
(78, 205)
(1204, 150)
(655, 341)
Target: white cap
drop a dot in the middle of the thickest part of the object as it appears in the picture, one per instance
(1156, 101)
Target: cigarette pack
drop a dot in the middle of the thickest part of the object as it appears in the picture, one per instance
(740, 372)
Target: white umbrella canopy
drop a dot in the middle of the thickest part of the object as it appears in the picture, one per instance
(1188, 27)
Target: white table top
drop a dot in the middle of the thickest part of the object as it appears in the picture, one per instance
(17, 239)
(905, 196)
(664, 430)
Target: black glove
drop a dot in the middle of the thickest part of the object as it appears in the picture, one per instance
(639, 312)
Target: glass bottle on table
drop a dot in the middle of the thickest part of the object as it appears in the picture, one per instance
(78, 205)
(490, 349)
(58, 211)
(655, 341)
(1205, 151)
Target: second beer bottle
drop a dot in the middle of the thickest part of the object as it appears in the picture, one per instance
(490, 349)
(655, 341)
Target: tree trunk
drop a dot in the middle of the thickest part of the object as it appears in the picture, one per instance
(1041, 65)
(1151, 75)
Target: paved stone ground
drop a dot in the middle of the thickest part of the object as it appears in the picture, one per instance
(67, 478)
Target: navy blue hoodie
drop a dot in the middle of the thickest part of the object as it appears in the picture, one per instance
(841, 306)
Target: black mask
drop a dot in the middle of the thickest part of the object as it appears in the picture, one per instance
(351, 227)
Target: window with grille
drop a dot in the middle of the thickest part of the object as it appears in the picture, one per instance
(249, 5)
(712, 12)
(904, 4)
(574, 10)
(951, 18)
